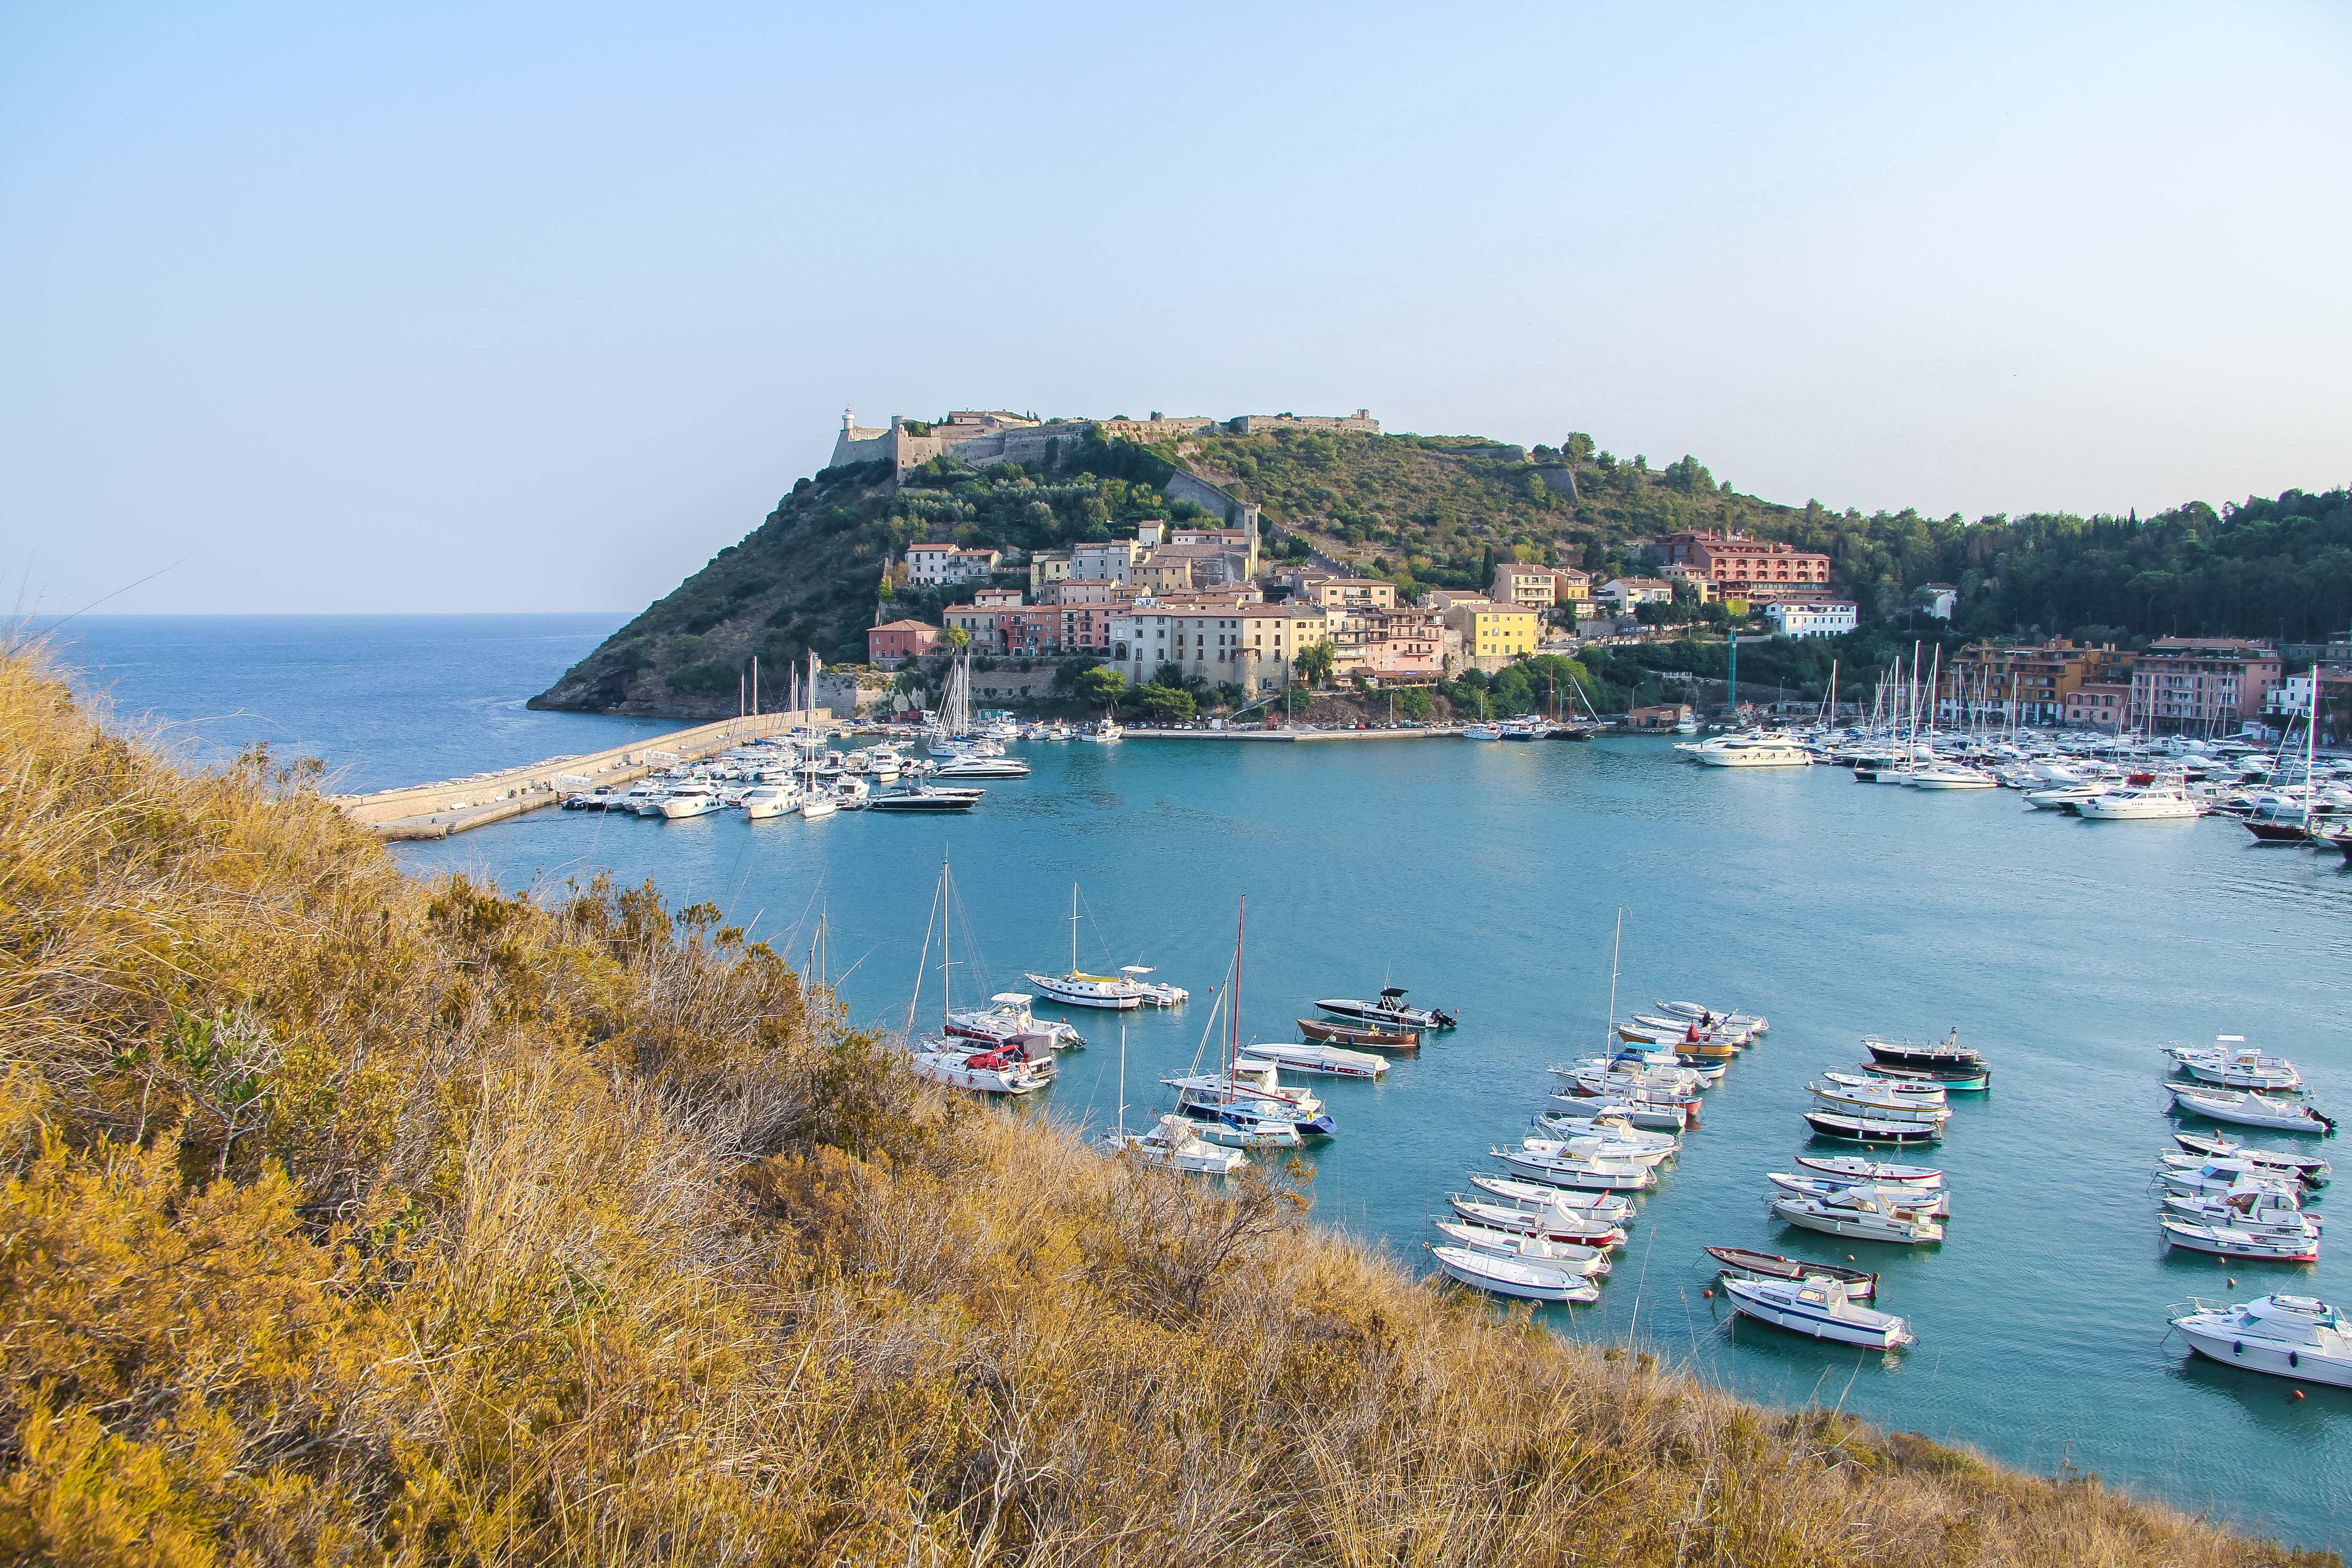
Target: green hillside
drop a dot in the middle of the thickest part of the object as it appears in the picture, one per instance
(1439, 511)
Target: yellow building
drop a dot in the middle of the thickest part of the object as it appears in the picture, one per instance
(1494, 631)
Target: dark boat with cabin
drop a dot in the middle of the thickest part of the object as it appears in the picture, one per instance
(1869, 1130)
(1950, 1056)
(1389, 1010)
(1957, 1080)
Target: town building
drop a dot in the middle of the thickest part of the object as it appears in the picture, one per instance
(995, 598)
(1664, 715)
(2100, 702)
(1942, 599)
(893, 642)
(1033, 631)
(1111, 560)
(977, 625)
(1745, 568)
(1243, 542)
(935, 563)
(1622, 593)
(1251, 646)
(1810, 618)
(1405, 646)
(2206, 684)
(1339, 592)
(1493, 634)
(1682, 574)
(1538, 587)
(2029, 682)
(1046, 567)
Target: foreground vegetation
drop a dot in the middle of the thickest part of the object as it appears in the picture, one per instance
(354, 1221)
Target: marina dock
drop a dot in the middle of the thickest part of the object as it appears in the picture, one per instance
(1286, 737)
(437, 810)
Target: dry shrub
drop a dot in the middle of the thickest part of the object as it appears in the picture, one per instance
(355, 1221)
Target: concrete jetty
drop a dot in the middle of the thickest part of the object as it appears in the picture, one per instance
(436, 810)
(1291, 736)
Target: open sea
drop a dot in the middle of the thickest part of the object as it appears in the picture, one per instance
(1488, 878)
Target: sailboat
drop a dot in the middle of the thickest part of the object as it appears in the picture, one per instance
(994, 1067)
(1226, 1113)
(1173, 1143)
(1120, 991)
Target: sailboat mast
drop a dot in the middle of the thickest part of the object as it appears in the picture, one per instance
(1616, 944)
(947, 902)
(1074, 929)
(1234, 1023)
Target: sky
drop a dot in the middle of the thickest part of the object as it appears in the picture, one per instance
(351, 308)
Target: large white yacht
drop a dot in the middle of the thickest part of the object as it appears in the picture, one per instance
(1752, 751)
(2287, 1336)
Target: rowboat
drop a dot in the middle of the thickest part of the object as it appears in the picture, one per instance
(1860, 1284)
(1867, 1130)
(1359, 1034)
(1819, 1306)
(1878, 1171)
(1523, 1278)
(2249, 1110)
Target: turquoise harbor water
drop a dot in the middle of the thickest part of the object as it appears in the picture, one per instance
(1487, 877)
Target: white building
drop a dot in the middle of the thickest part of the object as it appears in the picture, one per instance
(947, 563)
(1818, 620)
(1943, 598)
(1111, 560)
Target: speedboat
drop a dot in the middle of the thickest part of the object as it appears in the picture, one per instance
(969, 765)
(1860, 1216)
(920, 800)
(1389, 1010)
(1885, 1174)
(2313, 1170)
(1481, 732)
(2149, 804)
(1603, 1146)
(1576, 1257)
(1931, 1203)
(1523, 1278)
(2245, 1208)
(1953, 775)
(2231, 1063)
(1173, 1145)
(2230, 1241)
(1859, 1284)
(691, 801)
(2249, 1110)
(764, 801)
(2288, 1336)
(1329, 1060)
(1750, 751)
(1819, 1306)
(1000, 1070)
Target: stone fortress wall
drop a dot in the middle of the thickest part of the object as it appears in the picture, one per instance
(986, 437)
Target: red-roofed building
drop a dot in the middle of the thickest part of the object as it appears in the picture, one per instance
(893, 644)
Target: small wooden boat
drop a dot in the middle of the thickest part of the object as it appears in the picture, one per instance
(1865, 1130)
(1859, 1284)
(1590, 1261)
(1359, 1034)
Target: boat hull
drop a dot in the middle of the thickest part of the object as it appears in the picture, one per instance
(1373, 1039)
(2250, 1245)
(1062, 990)
(1800, 1318)
(2279, 1361)
(1859, 1284)
(1510, 1277)
(1858, 1227)
(1862, 1130)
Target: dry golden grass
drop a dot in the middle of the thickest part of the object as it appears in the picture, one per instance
(355, 1221)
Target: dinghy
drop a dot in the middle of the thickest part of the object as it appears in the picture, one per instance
(1860, 1284)
(2249, 1110)
(1819, 1306)
(1523, 1278)
(1687, 1011)
(1955, 1079)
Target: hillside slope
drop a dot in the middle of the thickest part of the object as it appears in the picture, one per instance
(1439, 511)
(353, 1220)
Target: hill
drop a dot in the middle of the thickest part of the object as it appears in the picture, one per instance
(356, 1220)
(1440, 511)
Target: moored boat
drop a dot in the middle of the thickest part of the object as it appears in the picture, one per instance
(1576, 1257)
(2249, 1110)
(1819, 1306)
(2313, 1170)
(1861, 1284)
(1524, 1278)
(1369, 1035)
(2229, 1241)
(2300, 1337)
(1868, 1130)
(1878, 1171)
(1329, 1060)
(1947, 1055)
(1389, 1011)
(1174, 1145)
(1859, 1216)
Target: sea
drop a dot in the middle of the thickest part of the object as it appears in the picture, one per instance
(1495, 879)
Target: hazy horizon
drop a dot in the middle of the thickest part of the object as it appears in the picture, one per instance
(440, 311)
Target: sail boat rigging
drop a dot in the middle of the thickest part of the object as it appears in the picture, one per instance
(993, 1066)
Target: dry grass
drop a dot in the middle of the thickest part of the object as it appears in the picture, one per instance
(353, 1220)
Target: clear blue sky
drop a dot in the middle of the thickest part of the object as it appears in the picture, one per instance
(426, 307)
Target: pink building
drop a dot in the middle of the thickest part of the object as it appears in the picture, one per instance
(899, 640)
(1404, 646)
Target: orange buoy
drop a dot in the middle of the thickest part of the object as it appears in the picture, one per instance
(2298, 1393)
(1709, 1294)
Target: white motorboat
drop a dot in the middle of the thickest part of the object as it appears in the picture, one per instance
(1707, 1017)
(2064, 795)
(692, 801)
(1896, 1090)
(2249, 1110)
(1691, 1028)
(1329, 1060)
(1606, 1208)
(2230, 1063)
(1640, 1107)
(1745, 1263)
(1576, 1259)
(1174, 1145)
(1873, 1169)
(1861, 1217)
(2212, 1176)
(1689, 1074)
(1616, 1128)
(1389, 1010)
(2149, 803)
(922, 800)
(1156, 993)
(1585, 1175)
(1481, 732)
(764, 801)
(2313, 1170)
(1557, 1223)
(1600, 1146)
(1953, 775)
(1251, 1079)
(2300, 1337)
(1817, 1305)
(1930, 1203)
(1752, 751)
(1000, 1070)
(1523, 1278)
(2229, 1241)
(2245, 1208)
(1008, 1019)
(972, 767)
(1879, 1107)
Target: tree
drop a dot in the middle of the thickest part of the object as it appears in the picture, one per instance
(956, 637)
(1166, 704)
(1414, 703)
(1101, 684)
(1579, 447)
(1313, 663)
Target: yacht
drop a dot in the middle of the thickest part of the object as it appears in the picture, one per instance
(1752, 751)
(1156, 993)
(694, 801)
(2248, 1110)
(2230, 1063)
(1817, 1305)
(2148, 804)
(923, 800)
(996, 1070)
(1008, 1018)
(1953, 775)
(972, 767)
(1118, 993)
(763, 801)
(1481, 732)
(2287, 1336)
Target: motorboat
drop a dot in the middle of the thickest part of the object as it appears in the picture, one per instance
(1752, 751)
(764, 801)
(1935, 1203)
(1954, 1079)
(1899, 1090)
(2313, 1170)
(1389, 1011)
(1557, 1223)
(1707, 1017)
(2300, 1337)
(1603, 1146)
(1947, 1055)
(969, 765)
(1359, 1034)
(1683, 1040)
(1329, 1060)
(1002, 1070)
(691, 801)
(1953, 775)
(1692, 1028)
(1560, 1124)
(1606, 1208)
(1650, 1110)
(1878, 1107)
(2231, 1063)
(2249, 1110)
(1591, 1262)
(1644, 1070)
(2149, 803)
(2203, 1173)
(2065, 796)
(2245, 1208)
(1523, 1278)
(922, 801)
(1868, 1130)
(1860, 1215)
(1175, 1145)
(1242, 1124)
(1584, 1175)
(2229, 1241)
(1859, 1284)
(1008, 1019)
(1253, 1080)
(1819, 1306)
(1879, 1171)
(1156, 993)
(1481, 732)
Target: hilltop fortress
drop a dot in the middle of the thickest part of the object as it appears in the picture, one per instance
(982, 437)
